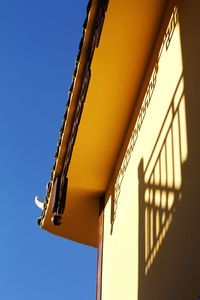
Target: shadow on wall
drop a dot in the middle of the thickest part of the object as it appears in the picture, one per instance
(141, 115)
(133, 139)
(169, 205)
(160, 184)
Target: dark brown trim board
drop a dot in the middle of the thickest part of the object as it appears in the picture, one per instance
(100, 249)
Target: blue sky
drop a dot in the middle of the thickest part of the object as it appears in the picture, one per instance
(38, 45)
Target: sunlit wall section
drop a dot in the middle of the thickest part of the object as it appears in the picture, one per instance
(146, 187)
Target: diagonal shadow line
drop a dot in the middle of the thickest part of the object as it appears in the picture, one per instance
(163, 124)
(146, 257)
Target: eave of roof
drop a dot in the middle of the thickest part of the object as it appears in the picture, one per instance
(92, 26)
(112, 125)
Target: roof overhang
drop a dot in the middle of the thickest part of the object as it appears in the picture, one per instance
(117, 68)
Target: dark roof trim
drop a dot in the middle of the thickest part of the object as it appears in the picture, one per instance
(92, 44)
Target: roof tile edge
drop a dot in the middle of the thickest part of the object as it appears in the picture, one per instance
(93, 42)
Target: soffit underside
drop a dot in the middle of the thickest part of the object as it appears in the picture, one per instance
(117, 70)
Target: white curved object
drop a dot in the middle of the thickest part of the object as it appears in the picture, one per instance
(39, 202)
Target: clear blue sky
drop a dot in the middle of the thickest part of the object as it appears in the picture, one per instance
(38, 45)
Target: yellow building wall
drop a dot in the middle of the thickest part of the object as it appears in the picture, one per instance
(152, 213)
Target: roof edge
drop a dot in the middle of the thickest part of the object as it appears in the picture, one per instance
(92, 27)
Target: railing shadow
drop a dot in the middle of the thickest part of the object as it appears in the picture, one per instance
(161, 188)
(141, 115)
(169, 222)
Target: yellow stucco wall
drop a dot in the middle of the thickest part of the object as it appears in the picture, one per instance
(152, 213)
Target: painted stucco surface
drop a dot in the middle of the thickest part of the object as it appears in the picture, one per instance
(151, 201)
